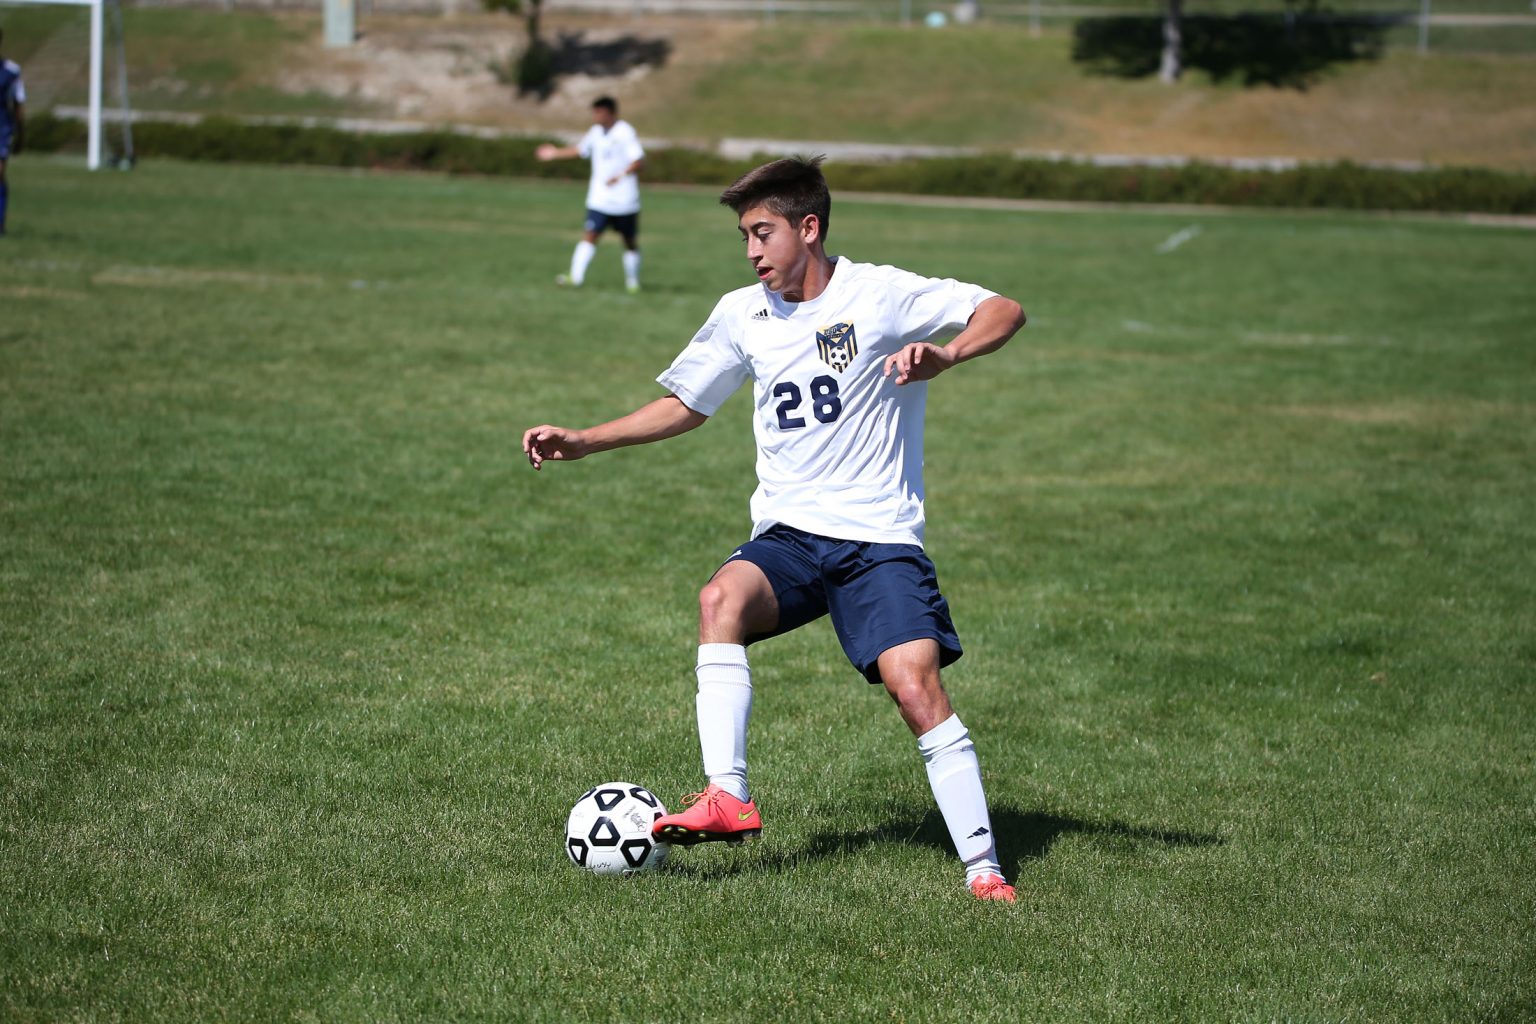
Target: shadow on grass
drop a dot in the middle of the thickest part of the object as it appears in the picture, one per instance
(543, 64)
(1022, 836)
(575, 54)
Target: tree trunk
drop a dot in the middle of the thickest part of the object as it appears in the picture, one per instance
(536, 67)
(1173, 42)
(532, 11)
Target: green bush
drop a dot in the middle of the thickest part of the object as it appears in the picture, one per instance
(49, 134)
(1338, 185)
(536, 69)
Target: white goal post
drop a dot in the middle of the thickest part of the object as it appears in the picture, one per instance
(93, 122)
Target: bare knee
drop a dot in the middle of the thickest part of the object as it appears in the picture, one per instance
(718, 606)
(726, 614)
(912, 691)
(911, 676)
(736, 604)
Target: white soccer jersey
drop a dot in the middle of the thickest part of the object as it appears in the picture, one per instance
(839, 445)
(611, 153)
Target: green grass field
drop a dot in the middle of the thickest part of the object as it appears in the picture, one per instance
(303, 667)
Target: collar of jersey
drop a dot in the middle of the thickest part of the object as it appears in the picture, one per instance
(840, 265)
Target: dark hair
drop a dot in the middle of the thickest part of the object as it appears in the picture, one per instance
(792, 188)
(608, 103)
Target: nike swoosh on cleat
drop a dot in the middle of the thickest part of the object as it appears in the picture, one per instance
(743, 815)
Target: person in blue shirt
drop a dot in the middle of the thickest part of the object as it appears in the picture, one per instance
(13, 101)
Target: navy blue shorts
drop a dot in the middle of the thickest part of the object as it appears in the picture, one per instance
(879, 595)
(626, 224)
(5, 142)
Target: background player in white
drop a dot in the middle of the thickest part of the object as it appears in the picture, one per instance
(13, 122)
(613, 194)
(839, 354)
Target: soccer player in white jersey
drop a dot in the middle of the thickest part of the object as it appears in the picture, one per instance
(613, 194)
(839, 355)
(13, 102)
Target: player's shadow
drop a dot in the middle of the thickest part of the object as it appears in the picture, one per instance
(1022, 836)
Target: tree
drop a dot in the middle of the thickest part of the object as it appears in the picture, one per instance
(535, 66)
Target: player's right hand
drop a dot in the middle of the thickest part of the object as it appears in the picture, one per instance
(546, 151)
(553, 443)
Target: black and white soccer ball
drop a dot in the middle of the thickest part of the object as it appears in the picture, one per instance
(609, 830)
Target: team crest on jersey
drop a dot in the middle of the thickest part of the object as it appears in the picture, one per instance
(837, 346)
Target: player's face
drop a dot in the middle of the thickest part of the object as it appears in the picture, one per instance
(603, 117)
(779, 252)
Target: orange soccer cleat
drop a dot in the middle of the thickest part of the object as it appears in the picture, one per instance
(992, 887)
(713, 816)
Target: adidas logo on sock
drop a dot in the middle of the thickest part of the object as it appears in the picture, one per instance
(979, 832)
(761, 314)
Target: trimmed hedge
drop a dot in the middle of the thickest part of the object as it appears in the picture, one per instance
(1338, 185)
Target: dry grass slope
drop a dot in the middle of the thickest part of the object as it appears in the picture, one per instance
(696, 79)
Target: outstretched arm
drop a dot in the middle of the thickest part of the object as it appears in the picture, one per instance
(633, 168)
(656, 421)
(549, 151)
(991, 325)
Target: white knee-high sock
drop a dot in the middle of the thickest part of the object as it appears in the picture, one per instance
(581, 259)
(632, 267)
(955, 775)
(724, 705)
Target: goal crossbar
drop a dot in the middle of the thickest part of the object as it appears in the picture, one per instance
(93, 123)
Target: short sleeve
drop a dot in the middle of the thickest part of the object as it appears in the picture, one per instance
(632, 148)
(584, 147)
(710, 369)
(931, 307)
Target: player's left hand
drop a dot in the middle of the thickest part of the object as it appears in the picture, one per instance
(920, 360)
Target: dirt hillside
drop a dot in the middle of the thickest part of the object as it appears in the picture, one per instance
(709, 79)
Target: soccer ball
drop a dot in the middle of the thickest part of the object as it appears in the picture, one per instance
(609, 830)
